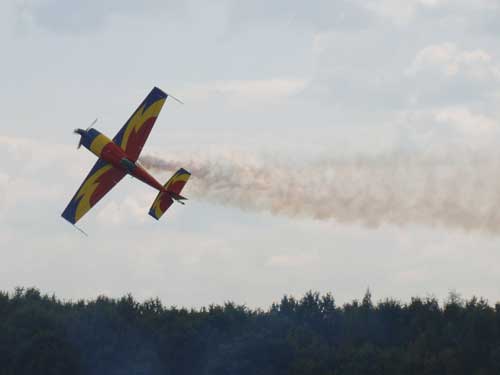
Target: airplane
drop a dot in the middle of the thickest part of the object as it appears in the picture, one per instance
(118, 157)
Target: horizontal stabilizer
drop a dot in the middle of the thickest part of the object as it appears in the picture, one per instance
(177, 181)
(160, 205)
(173, 188)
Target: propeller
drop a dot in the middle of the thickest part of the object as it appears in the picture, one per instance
(93, 123)
(78, 131)
(82, 132)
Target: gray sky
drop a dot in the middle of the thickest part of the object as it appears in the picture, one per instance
(264, 82)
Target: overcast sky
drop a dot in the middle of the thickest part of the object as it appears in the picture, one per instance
(274, 80)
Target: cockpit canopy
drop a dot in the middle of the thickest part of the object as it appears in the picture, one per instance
(128, 165)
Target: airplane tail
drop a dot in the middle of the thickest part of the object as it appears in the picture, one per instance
(173, 189)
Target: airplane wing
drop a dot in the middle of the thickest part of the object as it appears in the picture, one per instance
(99, 181)
(133, 135)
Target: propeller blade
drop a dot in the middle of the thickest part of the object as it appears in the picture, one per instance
(76, 131)
(93, 123)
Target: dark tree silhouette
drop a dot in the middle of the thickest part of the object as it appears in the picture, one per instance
(40, 334)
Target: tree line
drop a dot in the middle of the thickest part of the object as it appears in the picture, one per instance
(40, 334)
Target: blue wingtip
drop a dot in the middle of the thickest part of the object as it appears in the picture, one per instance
(66, 215)
(152, 214)
(159, 92)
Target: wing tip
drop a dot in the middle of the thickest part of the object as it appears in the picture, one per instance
(159, 92)
(152, 214)
(69, 218)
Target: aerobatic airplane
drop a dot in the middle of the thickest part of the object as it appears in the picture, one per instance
(118, 157)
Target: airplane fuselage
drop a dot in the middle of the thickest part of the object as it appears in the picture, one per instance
(118, 157)
(106, 149)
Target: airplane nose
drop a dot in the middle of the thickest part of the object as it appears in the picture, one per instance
(82, 133)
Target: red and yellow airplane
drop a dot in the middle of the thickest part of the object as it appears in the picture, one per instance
(118, 157)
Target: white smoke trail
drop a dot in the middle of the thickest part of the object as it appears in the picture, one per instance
(396, 189)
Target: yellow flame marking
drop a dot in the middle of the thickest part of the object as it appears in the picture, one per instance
(139, 118)
(175, 178)
(158, 211)
(87, 190)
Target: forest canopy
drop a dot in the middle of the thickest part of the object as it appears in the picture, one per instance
(40, 334)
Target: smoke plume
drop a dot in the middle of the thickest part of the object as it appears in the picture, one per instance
(396, 189)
